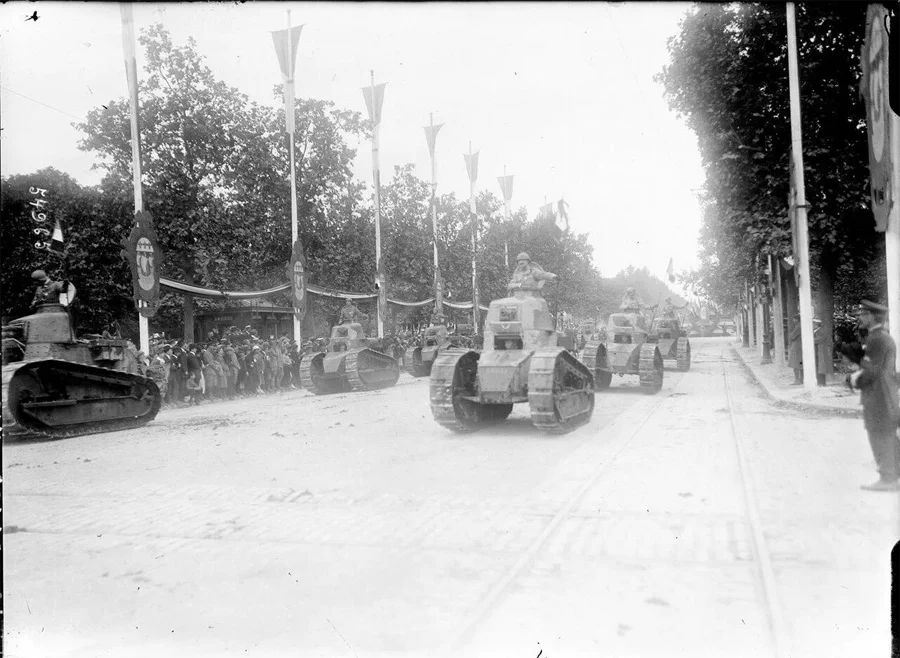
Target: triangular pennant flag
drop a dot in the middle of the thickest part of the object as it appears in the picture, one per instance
(506, 186)
(374, 99)
(287, 58)
(430, 135)
(563, 215)
(670, 271)
(472, 165)
(56, 240)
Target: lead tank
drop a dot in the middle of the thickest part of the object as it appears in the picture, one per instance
(521, 362)
(348, 364)
(57, 385)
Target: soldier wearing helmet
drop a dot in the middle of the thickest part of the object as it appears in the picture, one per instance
(630, 301)
(48, 291)
(528, 275)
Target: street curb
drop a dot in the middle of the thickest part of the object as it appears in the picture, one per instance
(795, 404)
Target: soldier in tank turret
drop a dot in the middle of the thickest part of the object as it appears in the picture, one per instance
(48, 291)
(528, 275)
(631, 302)
(350, 313)
(668, 309)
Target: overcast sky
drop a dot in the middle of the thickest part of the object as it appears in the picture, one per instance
(561, 94)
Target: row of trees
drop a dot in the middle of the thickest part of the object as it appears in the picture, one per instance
(215, 176)
(728, 77)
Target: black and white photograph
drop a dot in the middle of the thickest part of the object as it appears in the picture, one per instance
(419, 330)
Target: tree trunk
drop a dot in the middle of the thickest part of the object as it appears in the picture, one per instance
(188, 307)
(825, 305)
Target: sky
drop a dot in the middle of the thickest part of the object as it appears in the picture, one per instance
(561, 95)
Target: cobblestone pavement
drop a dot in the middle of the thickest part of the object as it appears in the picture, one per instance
(353, 525)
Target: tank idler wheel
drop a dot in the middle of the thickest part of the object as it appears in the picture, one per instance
(311, 374)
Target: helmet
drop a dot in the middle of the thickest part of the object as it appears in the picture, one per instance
(629, 290)
(40, 275)
(523, 256)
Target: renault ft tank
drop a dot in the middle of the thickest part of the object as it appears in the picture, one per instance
(419, 359)
(625, 351)
(521, 362)
(348, 364)
(56, 385)
(668, 336)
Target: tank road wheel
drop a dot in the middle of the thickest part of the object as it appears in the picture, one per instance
(650, 369)
(560, 391)
(312, 374)
(494, 413)
(453, 381)
(595, 359)
(684, 354)
(368, 370)
(413, 362)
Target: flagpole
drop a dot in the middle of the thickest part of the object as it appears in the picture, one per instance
(295, 232)
(473, 175)
(131, 74)
(506, 219)
(376, 172)
(438, 285)
(806, 311)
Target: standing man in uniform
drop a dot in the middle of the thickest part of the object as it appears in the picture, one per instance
(876, 380)
(48, 291)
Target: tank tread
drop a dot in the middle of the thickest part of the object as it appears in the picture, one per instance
(650, 368)
(684, 354)
(306, 375)
(18, 429)
(449, 382)
(358, 379)
(413, 366)
(560, 391)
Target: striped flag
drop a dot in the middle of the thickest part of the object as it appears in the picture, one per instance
(286, 51)
(506, 186)
(430, 135)
(56, 240)
(670, 271)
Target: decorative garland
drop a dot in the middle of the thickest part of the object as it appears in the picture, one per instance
(199, 291)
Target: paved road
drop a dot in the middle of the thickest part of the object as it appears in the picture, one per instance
(701, 521)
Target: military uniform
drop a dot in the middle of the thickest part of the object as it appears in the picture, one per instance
(877, 382)
(528, 275)
(48, 292)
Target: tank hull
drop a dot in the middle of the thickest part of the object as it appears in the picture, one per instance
(354, 370)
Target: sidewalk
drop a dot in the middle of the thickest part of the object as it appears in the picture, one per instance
(777, 383)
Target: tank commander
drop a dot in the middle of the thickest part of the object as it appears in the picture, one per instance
(528, 275)
(48, 291)
(631, 302)
(668, 309)
(350, 313)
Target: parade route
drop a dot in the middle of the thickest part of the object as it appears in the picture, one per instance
(701, 521)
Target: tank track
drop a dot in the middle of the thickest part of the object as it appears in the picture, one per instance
(650, 368)
(555, 377)
(357, 378)
(453, 375)
(306, 376)
(684, 354)
(602, 378)
(412, 367)
(15, 430)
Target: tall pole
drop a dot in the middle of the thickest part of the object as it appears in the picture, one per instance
(431, 134)
(295, 231)
(506, 222)
(806, 312)
(778, 321)
(472, 166)
(131, 74)
(377, 177)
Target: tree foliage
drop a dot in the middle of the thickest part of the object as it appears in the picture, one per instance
(728, 77)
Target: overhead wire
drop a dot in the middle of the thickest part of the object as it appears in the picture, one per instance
(33, 100)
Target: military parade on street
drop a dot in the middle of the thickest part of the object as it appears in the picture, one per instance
(281, 378)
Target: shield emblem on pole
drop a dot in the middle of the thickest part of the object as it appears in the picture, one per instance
(141, 250)
(297, 275)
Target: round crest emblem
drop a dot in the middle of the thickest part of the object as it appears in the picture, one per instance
(145, 256)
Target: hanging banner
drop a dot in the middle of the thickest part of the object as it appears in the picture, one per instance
(472, 165)
(141, 250)
(430, 136)
(506, 186)
(286, 51)
(297, 275)
(374, 100)
(381, 283)
(874, 87)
